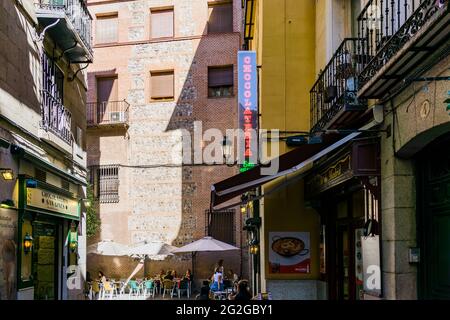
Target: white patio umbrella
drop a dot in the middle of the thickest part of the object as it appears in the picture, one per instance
(153, 250)
(204, 244)
(108, 248)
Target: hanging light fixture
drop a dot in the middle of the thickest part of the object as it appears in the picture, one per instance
(27, 243)
(227, 152)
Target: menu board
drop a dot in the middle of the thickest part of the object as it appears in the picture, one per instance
(371, 263)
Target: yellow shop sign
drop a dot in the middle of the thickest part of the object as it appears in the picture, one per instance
(44, 199)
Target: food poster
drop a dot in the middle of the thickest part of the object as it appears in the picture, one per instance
(289, 252)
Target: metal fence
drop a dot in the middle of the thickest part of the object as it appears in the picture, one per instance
(386, 25)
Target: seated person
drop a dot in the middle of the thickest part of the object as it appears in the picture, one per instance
(168, 276)
(188, 275)
(242, 293)
(204, 291)
(101, 277)
(233, 276)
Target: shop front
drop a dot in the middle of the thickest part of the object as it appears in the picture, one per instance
(47, 239)
(344, 189)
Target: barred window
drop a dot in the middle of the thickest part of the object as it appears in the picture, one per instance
(105, 183)
(221, 225)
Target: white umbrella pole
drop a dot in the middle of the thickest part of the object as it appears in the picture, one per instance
(136, 270)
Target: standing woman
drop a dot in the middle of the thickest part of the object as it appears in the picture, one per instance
(217, 281)
(220, 266)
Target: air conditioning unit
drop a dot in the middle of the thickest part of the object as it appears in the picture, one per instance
(117, 116)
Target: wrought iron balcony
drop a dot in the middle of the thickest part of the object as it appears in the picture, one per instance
(400, 36)
(333, 97)
(107, 113)
(73, 30)
(55, 117)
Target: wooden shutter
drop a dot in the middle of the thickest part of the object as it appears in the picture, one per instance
(221, 225)
(106, 29)
(107, 89)
(220, 76)
(220, 18)
(162, 85)
(161, 24)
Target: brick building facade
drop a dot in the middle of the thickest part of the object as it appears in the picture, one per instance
(145, 46)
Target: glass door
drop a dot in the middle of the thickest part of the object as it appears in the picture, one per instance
(45, 259)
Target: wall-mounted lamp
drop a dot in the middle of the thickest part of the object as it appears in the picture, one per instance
(8, 203)
(252, 227)
(87, 202)
(254, 249)
(73, 245)
(73, 238)
(27, 243)
(7, 174)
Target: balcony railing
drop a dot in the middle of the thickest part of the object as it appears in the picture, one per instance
(55, 117)
(76, 13)
(387, 25)
(337, 85)
(107, 113)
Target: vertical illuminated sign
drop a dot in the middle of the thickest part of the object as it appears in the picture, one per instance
(248, 107)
